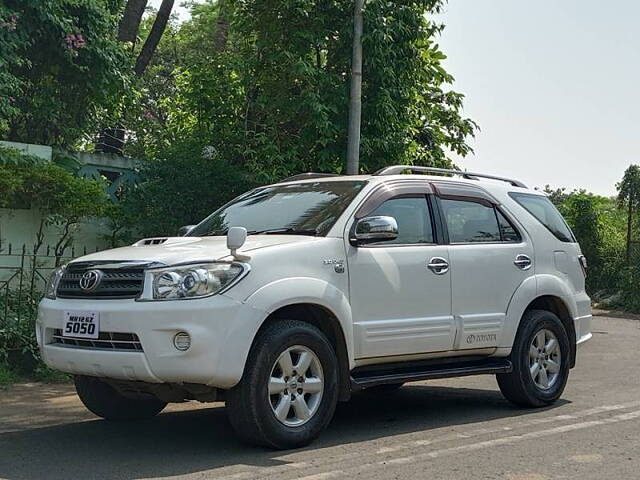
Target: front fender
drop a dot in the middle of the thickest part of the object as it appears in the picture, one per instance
(297, 290)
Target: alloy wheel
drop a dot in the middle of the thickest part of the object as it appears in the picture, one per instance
(296, 385)
(545, 359)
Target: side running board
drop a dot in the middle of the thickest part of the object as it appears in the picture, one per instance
(369, 376)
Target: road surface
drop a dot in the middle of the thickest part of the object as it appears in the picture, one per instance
(448, 429)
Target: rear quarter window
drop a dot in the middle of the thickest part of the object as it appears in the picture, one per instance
(546, 213)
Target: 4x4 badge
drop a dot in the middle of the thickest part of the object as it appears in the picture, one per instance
(338, 265)
(90, 280)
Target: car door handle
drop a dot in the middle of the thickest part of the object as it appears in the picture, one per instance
(438, 265)
(523, 262)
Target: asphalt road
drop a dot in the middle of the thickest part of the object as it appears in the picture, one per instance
(450, 429)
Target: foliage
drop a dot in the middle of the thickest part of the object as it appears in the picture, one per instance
(159, 206)
(14, 157)
(600, 227)
(275, 99)
(629, 198)
(17, 327)
(597, 225)
(271, 100)
(629, 188)
(7, 375)
(557, 196)
(60, 68)
(19, 353)
(62, 199)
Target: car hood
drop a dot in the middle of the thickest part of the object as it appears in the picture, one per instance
(173, 250)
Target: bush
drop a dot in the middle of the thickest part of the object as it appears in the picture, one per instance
(183, 186)
(61, 198)
(18, 346)
(7, 375)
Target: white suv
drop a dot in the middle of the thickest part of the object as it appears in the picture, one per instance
(295, 295)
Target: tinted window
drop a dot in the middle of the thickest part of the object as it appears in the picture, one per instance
(508, 232)
(546, 213)
(301, 208)
(413, 218)
(470, 222)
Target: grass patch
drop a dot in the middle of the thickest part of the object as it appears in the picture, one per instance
(7, 375)
(42, 373)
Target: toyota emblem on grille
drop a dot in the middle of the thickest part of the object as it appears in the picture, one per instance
(90, 280)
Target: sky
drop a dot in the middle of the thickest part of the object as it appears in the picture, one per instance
(553, 84)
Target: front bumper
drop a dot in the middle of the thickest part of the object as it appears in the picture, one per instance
(221, 331)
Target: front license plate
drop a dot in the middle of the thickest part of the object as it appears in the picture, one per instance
(81, 324)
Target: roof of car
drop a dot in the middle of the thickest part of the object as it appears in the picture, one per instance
(488, 183)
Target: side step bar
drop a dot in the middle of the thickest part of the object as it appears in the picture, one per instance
(366, 377)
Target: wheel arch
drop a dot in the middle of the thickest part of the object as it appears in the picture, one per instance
(326, 321)
(559, 308)
(318, 303)
(544, 292)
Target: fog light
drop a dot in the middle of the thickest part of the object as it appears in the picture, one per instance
(182, 341)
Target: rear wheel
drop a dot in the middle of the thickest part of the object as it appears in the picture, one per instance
(288, 392)
(540, 358)
(106, 402)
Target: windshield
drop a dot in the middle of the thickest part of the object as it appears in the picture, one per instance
(296, 209)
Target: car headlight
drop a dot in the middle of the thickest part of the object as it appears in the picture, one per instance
(191, 281)
(54, 280)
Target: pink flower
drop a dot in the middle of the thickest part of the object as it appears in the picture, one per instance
(10, 24)
(75, 41)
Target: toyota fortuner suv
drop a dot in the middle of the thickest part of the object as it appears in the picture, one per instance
(293, 296)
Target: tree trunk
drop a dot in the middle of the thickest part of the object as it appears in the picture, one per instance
(629, 218)
(130, 22)
(222, 27)
(158, 28)
(355, 101)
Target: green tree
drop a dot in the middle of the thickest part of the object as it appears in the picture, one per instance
(262, 87)
(629, 198)
(266, 84)
(180, 187)
(580, 209)
(61, 67)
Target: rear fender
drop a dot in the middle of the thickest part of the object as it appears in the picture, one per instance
(533, 287)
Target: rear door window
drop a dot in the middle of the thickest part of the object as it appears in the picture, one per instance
(545, 212)
(508, 231)
(470, 222)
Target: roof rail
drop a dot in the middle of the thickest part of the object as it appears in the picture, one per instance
(398, 169)
(307, 176)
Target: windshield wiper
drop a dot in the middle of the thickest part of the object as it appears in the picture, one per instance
(284, 231)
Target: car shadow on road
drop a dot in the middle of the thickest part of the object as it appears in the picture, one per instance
(187, 442)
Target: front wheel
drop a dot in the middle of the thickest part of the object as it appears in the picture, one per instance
(106, 402)
(289, 389)
(540, 358)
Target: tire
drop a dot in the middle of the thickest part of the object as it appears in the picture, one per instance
(251, 407)
(106, 402)
(525, 385)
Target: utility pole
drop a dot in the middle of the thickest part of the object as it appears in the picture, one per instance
(355, 100)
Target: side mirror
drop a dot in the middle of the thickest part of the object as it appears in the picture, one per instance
(184, 231)
(374, 229)
(236, 236)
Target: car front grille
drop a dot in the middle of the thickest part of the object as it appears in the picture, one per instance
(105, 341)
(117, 281)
